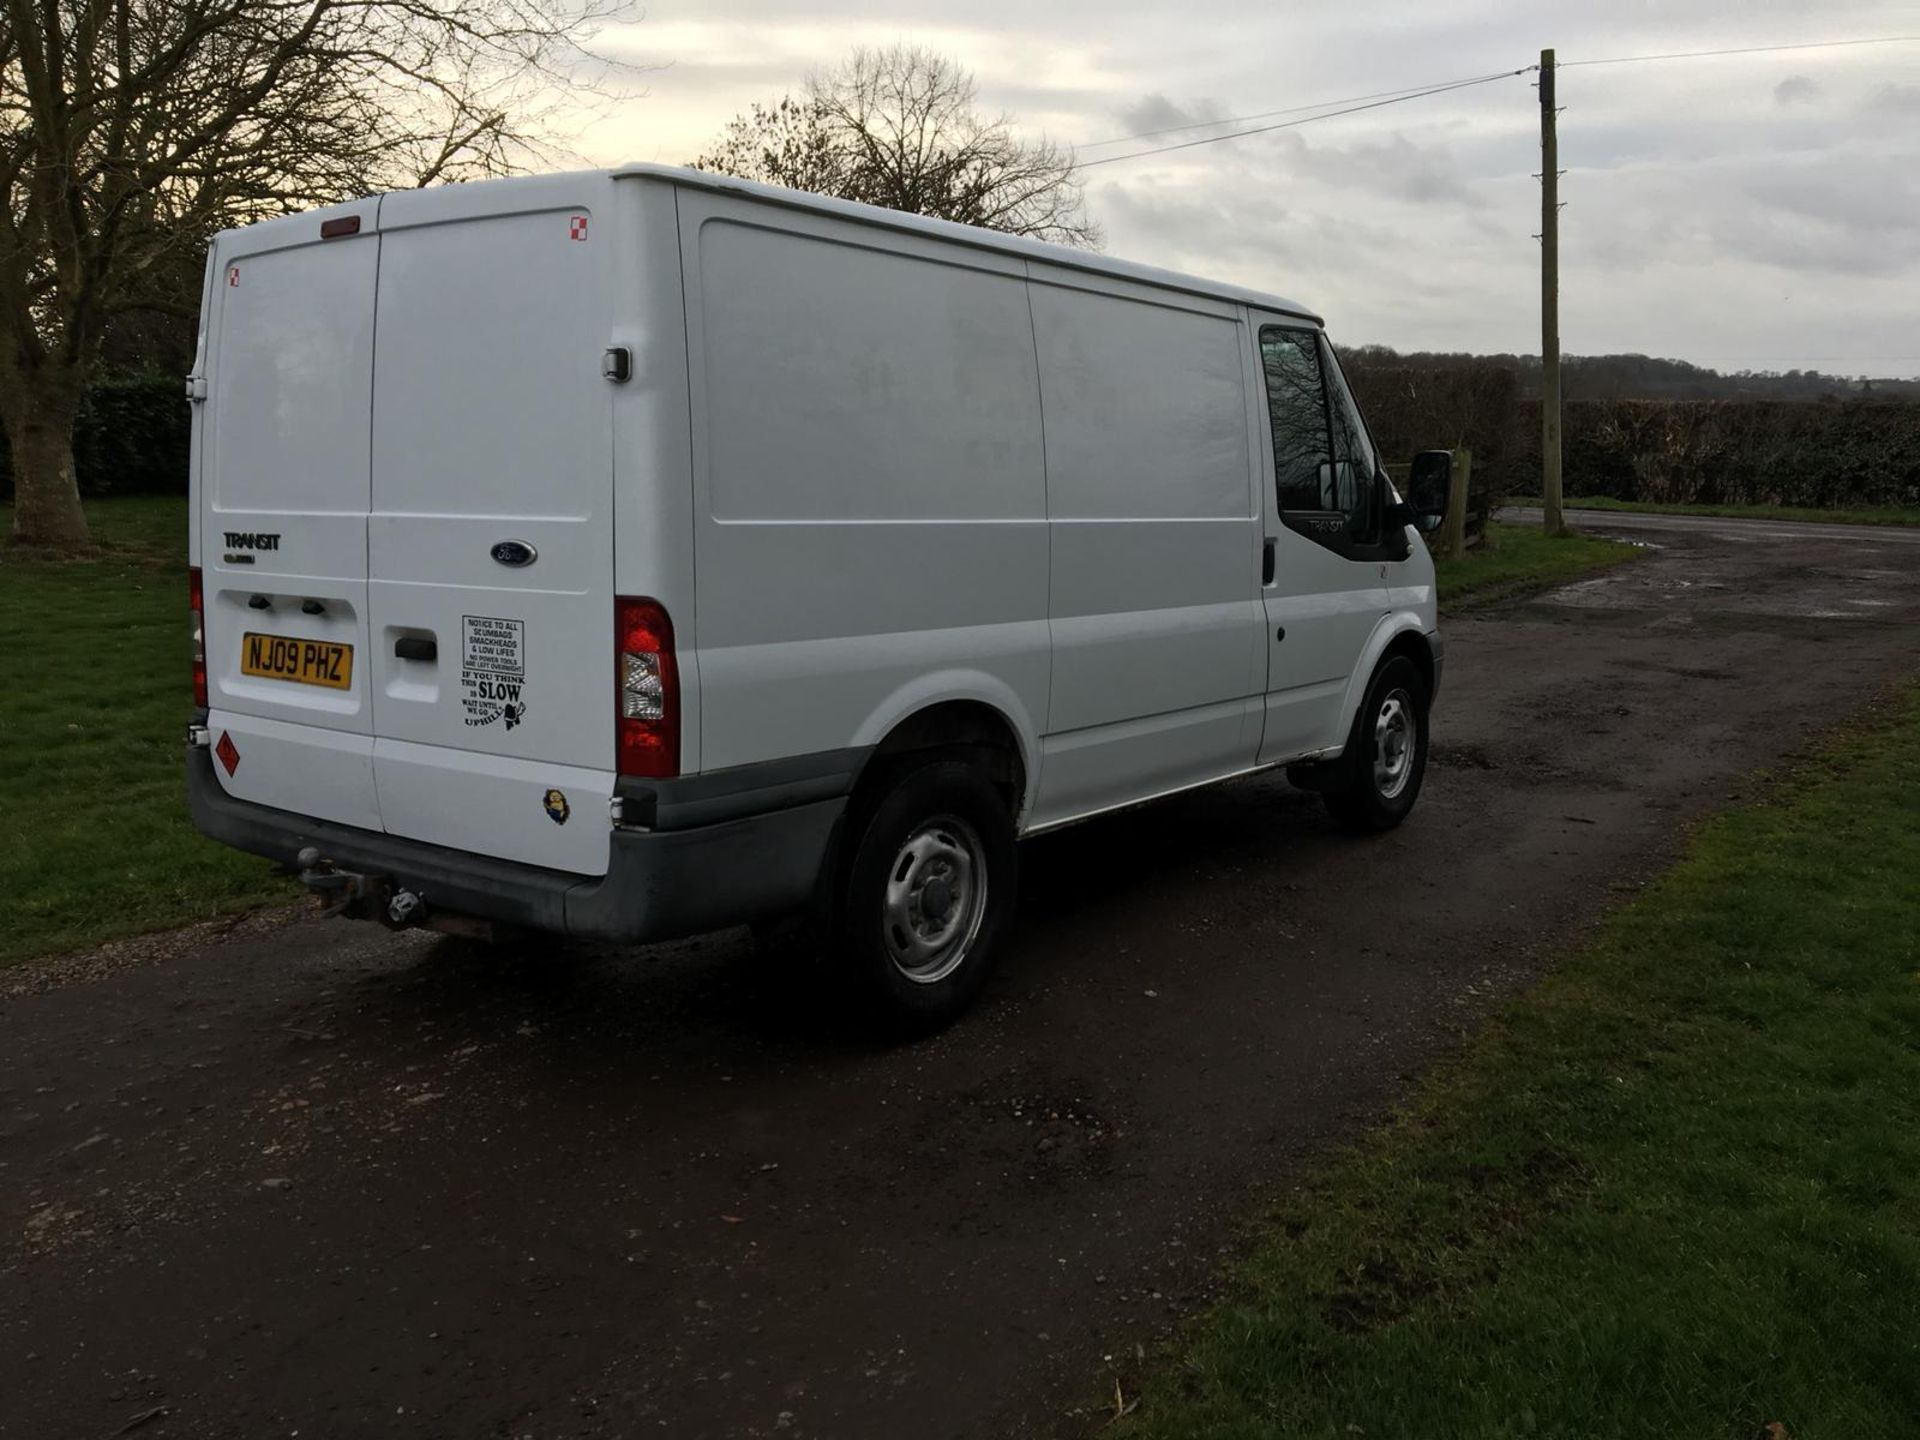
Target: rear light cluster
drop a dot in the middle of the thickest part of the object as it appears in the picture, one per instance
(197, 602)
(648, 693)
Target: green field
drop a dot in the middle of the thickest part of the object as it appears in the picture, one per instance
(1518, 559)
(94, 838)
(1883, 515)
(1673, 1191)
(95, 841)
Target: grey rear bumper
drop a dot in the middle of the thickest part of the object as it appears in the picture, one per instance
(659, 884)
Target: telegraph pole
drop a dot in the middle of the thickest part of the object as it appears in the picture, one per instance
(1549, 303)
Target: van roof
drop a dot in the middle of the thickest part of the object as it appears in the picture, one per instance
(1062, 255)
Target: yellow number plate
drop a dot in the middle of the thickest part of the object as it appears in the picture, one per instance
(306, 662)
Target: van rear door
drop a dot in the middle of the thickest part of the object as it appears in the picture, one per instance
(490, 539)
(282, 483)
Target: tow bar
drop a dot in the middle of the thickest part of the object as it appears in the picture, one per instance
(353, 893)
(376, 897)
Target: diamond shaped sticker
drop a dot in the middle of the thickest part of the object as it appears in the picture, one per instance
(228, 752)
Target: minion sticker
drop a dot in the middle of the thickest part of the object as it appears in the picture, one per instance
(557, 807)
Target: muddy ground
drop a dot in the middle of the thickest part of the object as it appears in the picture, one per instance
(325, 1180)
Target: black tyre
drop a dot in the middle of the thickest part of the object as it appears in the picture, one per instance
(927, 892)
(1386, 754)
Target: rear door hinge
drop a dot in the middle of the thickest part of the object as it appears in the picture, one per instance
(196, 388)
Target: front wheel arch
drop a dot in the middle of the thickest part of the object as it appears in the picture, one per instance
(1398, 634)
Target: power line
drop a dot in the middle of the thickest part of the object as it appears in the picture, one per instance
(1410, 91)
(1745, 50)
(1396, 99)
(1382, 98)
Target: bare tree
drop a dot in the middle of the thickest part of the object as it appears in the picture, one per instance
(131, 130)
(898, 127)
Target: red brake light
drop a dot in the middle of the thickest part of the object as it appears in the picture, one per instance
(340, 225)
(646, 690)
(197, 603)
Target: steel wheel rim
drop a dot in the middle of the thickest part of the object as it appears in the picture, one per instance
(935, 900)
(1394, 738)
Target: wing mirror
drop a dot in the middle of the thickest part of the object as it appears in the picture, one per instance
(1428, 486)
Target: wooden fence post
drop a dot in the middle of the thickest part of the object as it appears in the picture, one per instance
(1453, 542)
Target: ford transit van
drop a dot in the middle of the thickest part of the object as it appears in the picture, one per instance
(630, 554)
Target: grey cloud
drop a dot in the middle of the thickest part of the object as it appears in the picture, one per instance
(1154, 113)
(1809, 247)
(1202, 229)
(1858, 191)
(1844, 216)
(1397, 168)
(1796, 90)
(1895, 100)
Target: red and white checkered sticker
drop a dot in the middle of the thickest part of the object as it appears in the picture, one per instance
(233, 277)
(577, 228)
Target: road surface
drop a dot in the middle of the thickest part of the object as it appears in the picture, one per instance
(327, 1180)
(1651, 524)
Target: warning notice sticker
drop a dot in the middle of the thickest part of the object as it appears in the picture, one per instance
(493, 670)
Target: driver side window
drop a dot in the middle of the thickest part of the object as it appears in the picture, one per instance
(1323, 463)
(1357, 492)
(1297, 414)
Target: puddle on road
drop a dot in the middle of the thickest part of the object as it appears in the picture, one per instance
(1739, 580)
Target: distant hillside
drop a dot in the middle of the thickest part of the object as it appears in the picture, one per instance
(1644, 377)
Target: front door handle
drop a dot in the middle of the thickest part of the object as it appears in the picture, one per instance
(416, 647)
(1266, 562)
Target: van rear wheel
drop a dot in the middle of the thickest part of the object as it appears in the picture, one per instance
(1386, 755)
(927, 892)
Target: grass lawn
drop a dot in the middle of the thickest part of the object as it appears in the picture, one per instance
(1884, 515)
(1672, 1191)
(1519, 558)
(94, 838)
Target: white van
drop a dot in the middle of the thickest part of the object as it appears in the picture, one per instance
(629, 554)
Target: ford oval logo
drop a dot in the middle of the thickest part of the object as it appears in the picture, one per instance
(515, 553)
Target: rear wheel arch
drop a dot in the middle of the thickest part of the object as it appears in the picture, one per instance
(927, 889)
(972, 729)
(949, 777)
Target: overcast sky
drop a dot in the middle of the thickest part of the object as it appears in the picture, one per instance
(1757, 211)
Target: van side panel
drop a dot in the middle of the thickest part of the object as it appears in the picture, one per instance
(868, 478)
(1158, 661)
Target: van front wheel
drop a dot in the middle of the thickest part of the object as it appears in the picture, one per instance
(1386, 754)
(927, 894)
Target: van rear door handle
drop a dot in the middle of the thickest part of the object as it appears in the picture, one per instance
(416, 647)
(1266, 562)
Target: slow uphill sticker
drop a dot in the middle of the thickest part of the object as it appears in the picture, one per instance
(493, 670)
